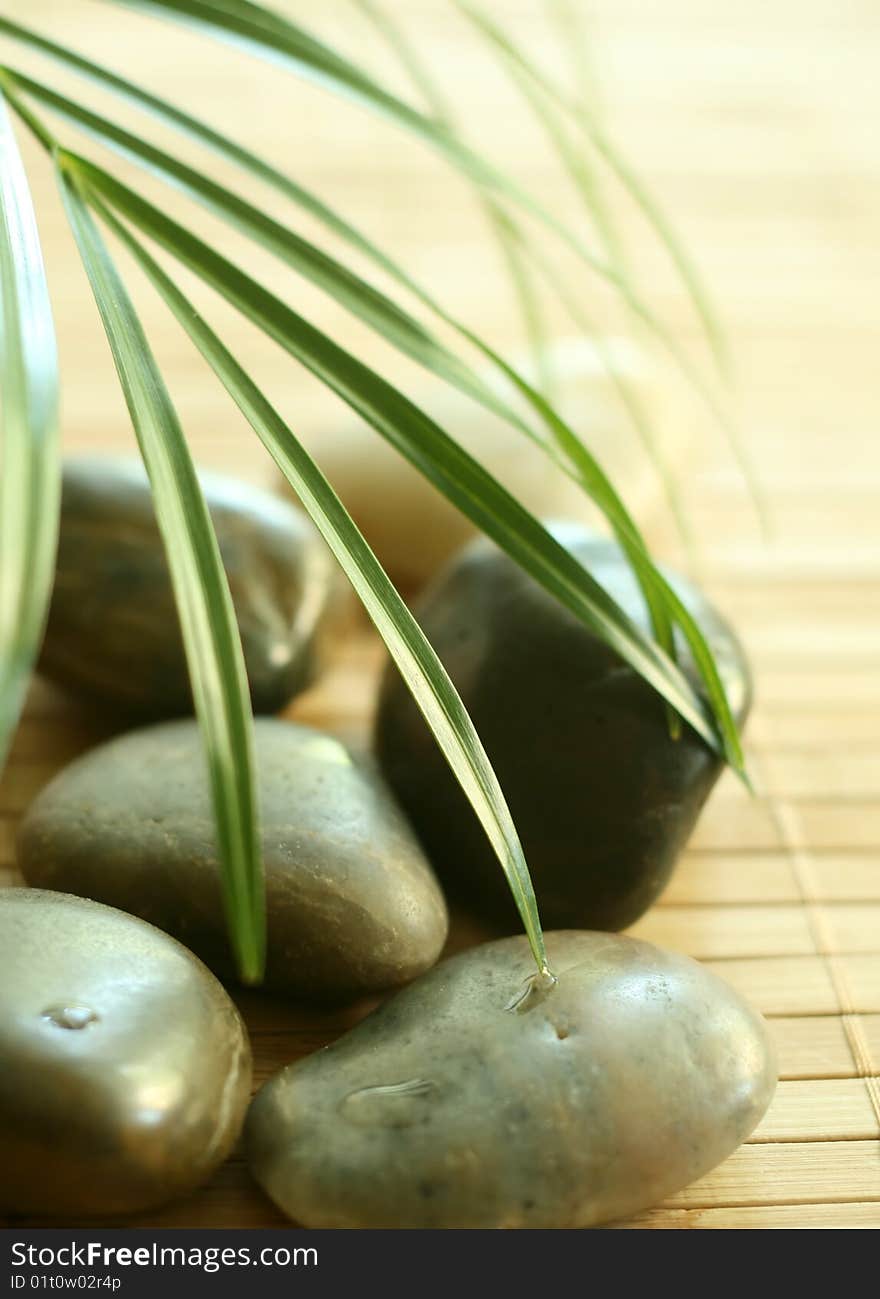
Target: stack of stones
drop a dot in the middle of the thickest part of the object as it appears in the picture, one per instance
(479, 1096)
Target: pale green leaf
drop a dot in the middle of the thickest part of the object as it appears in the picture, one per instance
(576, 460)
(499, 222)
(419, 666)
(364, 300)
(517, 247)
(207, 617)
(544, 96)
(272, 36)
(416, 436)
(29, 468)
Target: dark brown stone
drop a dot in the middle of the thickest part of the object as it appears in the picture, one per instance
(125, 1070)
(352, 905)
(113, 632)
(603, 798)
(462, 1104)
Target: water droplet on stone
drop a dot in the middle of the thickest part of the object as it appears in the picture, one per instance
(535, 989)
(70, 1016)
(387, 1104)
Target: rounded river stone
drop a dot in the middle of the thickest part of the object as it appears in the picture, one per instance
(478, 1098)
(125, 1067)
(113, 631)
(603, 798)
(352, 903)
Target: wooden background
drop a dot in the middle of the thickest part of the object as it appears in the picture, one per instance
(756, 124)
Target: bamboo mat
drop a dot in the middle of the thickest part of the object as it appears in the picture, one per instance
(756, 130)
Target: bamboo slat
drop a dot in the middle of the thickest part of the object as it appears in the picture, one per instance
(789, 1173)
(719, 932)
(731, 879)
(785, 1217)
(820, 1109)
(814, 1046)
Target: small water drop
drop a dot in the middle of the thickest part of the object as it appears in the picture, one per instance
(70, 1016)
(412, 1087)
(387, 1104)
(535, 989)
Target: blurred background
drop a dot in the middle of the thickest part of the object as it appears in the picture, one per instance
(755, 126)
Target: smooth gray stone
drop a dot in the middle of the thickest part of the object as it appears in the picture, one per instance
(126, 1069)
(476, 1098)
(113, 633)
(352, 905)
(603, 798)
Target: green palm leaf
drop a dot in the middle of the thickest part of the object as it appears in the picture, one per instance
(29, 469)
(404, 332)
(544, 97)
(418, 664)
(265, 33)
(194, 127)
(518, 255)
(213, 649)
(517, 247)
(499, 222)
(575, 162)
(268, 34)
(207, 618)
(366, 302)
(417, 437)
(271, 35)
(200, 131)
(573, 29)
(639, 416)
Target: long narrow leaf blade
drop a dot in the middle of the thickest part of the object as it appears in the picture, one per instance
(575, 162)
(546, 97)
(627, 394)
(207, 618)
(576, 460)
(418, 664)
(272, 36)
(262, 35)
(573, 27)
(396, 325)
(517, 252)
(29, 468)
(409, 58)
(664, 606)
(170, 115)
(371, 306)
(417, 437)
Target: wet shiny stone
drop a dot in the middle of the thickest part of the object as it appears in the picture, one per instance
(113, 633)
(125, 1067)
(603, 797)
(353, 905)
(629, 1077)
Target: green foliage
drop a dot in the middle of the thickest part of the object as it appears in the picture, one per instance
(29, 474)
(28, 524)
(207, 618)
